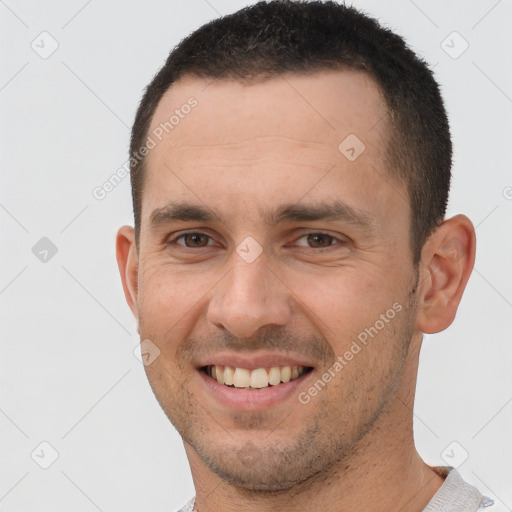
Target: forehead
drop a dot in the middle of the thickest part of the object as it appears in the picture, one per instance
(213, 134)
(303, 107)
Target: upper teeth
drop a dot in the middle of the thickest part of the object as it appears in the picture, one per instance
(257, 378)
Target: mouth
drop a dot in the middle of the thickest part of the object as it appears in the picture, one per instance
(245, 379)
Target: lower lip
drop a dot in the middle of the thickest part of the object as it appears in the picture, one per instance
(244, 400)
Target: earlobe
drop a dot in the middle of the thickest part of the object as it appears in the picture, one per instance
(127, 261)
(447, 261)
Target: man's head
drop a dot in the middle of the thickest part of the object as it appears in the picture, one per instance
(291, 218)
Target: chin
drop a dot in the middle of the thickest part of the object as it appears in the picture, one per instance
(265, 476)
(264, 466)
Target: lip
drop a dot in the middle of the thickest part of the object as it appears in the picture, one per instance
(265, 360)
(247, 400)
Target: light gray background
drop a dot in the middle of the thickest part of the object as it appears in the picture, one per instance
(68, 373)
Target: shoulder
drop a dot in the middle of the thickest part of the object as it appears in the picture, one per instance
(456, 495)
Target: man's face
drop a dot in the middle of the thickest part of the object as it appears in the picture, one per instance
(269, 282)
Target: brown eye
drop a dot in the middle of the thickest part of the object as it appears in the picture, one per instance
(319, 240)
(195, 239)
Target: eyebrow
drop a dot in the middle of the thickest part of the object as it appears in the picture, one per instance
(336, 211)
(292, 212)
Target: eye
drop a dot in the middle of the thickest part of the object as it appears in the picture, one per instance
(318, 240)
(193, 239)
(315, 240)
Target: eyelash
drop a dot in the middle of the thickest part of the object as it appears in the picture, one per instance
(173, 240)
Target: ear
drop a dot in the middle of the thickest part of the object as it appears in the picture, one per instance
(127, 261)
(447, 260)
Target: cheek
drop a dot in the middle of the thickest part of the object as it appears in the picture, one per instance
(168, 302)
(369, 357)
(343, 301)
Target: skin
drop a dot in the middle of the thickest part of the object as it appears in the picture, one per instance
(242, 152)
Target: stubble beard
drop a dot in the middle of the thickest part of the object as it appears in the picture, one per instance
(276, 464)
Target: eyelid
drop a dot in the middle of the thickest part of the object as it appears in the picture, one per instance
(180, 234)
(341, 239)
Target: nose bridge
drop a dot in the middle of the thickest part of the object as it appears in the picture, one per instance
(249, 298)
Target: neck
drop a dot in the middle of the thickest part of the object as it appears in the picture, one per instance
(383, 473)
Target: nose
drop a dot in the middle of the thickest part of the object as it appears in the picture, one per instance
(250, 297)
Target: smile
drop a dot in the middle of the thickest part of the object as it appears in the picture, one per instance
(257, 378)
